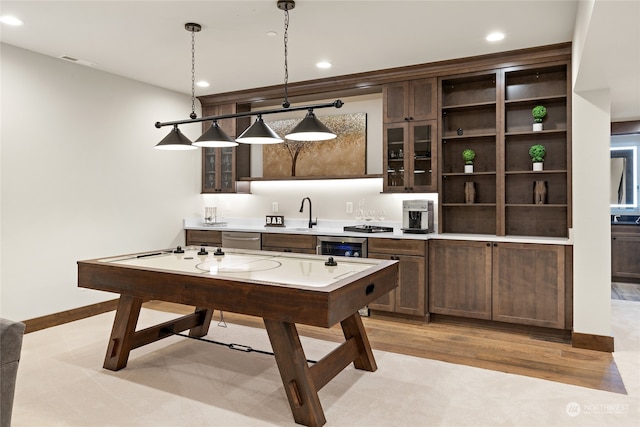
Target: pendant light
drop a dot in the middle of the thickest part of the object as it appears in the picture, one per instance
(310, 128)
(259, 133)
(176, 140)
(215, 137)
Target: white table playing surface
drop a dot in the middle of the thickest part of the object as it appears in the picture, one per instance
(274, 268)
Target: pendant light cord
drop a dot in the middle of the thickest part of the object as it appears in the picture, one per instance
(193, 114)
(286, 103)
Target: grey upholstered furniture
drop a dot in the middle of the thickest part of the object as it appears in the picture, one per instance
(10, 347)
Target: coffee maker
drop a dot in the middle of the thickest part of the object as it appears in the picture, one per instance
(417, 216)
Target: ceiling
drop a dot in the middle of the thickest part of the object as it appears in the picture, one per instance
(146, 40)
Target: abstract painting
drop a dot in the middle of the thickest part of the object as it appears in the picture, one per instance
(342, 156)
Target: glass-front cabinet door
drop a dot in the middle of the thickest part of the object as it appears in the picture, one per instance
(408, 165)
(219, 170)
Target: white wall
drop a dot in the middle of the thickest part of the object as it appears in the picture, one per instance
(591, 174)
(591, 220)
(329, 197)
(80, 177)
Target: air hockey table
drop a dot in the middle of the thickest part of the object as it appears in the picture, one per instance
(281, 288)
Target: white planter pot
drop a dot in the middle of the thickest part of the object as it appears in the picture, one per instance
(537, 166)
(537, 127)
(468, 168)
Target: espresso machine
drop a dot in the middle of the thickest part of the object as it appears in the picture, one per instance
(417, 216)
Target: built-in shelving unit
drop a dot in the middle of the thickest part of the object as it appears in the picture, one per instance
(490, 113)
(524, 88)
(468, 121)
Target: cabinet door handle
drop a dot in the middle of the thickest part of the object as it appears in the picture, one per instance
(495, 244)
(488, 245)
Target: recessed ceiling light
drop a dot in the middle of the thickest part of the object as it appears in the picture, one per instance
(495, 36)
(272, 33)
(323, 64)
(202, 83)
(11, 20)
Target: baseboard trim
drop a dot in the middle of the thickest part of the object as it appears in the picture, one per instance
(592, 342)
(56, 319)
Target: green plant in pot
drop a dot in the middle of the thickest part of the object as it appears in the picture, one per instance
(537, 153)
(468, 156)
(538, 112)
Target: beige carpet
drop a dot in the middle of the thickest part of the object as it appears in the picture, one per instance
(182, 382)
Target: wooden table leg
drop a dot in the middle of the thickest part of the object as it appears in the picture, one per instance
(124, 327)
(295, 373)
(352, 327)
(203, 329)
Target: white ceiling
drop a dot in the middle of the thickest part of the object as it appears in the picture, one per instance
(146, 40)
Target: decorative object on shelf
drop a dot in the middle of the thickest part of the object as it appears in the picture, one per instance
(274, 221)
(537, 152)
(538, 113)
(540, 192)
(468, 155)
(309, 129)
(460, 132)
(469, 192)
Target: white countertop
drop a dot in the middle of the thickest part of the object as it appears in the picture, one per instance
(335, 228)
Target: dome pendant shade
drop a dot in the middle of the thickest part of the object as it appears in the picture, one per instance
(259, 133)
(310, 129)
(215, 137)
(175, 141)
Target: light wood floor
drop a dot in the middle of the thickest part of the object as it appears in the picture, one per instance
(472, 344)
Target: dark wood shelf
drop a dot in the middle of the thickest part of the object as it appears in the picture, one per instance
(531, 172)
(469, 205)
(454, 137)
(540, 132)
(473, 105)
(529, 205)
(535, 100)
(310, 178)
(468, 174)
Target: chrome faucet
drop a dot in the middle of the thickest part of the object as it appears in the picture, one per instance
(311, 222)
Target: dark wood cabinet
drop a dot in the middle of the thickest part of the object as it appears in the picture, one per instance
(412, 100)
(409, 157)
(460, 278)
(409, 136)
(221, 167)
(508, 282)
(410, 297)
(490, 113)
(529, 284)
(284, 242)
(203, 237)
(625, 253)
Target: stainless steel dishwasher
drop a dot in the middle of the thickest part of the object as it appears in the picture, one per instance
(241, 240)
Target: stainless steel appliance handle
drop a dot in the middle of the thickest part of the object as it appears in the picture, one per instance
(226, 237)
